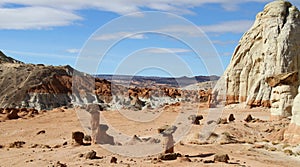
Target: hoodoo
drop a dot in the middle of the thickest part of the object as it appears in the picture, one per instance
(269, 48)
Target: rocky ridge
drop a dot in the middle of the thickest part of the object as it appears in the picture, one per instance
(47, 87)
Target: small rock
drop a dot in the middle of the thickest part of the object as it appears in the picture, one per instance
(248, 118)
(185, 159)
(222, 121)
(221, 158)
(258, 146)
(231, 118)
(195, 119)
(41, 132)
(168, 156)
(78, 137)
(16, 144)
(288, 152)
(87, 138)
(13, 114)
(91, 155)
(59, 164)
(272, 149)
(208, 161)
(57, 146)
(113, 160)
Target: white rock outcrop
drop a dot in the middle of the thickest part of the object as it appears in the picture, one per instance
(282, 95)
(270, 47)
(281, 101)
(292, 134)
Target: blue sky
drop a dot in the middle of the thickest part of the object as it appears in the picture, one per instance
(54, 32)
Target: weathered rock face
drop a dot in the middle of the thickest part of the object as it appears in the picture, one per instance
(292, 135)
(282, 95)
(47, 87)
(270, 47)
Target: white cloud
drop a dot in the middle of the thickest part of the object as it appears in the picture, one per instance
(223, 43)
(35, 18)
(119, 35)
(73, 50)
(237, 26)
(167, 50)
(38, 14)
(35, 54)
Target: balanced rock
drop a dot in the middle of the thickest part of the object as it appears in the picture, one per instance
(168, 139)
(282, 95)
(270, 47)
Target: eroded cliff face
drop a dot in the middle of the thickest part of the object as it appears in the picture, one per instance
(47, 87)
(270, 47)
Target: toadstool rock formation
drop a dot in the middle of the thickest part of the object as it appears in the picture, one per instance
(282, 95)
(168, 140)
(270, 47)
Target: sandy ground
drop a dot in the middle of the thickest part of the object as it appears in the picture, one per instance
(46, 149)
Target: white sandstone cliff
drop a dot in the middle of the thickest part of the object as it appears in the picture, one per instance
(270, 47)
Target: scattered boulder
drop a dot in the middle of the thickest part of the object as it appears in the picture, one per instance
(195, 119)
(91, 155)
(13, 114)
(41, 132)
(208, 161)
(113, 160)
(59, 164)
(16, 144)
(288, 152)
(221, 158)
(231, 118)
(78, 138)
(222, 121)
(249, 118)
(168, 156)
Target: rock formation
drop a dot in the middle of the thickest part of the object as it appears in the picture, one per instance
(168, 140)
(47, 87)
(270, 47)
(282, 95)
(292, 134)
(6, 59)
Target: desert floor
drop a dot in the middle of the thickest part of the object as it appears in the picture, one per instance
(254, 144)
